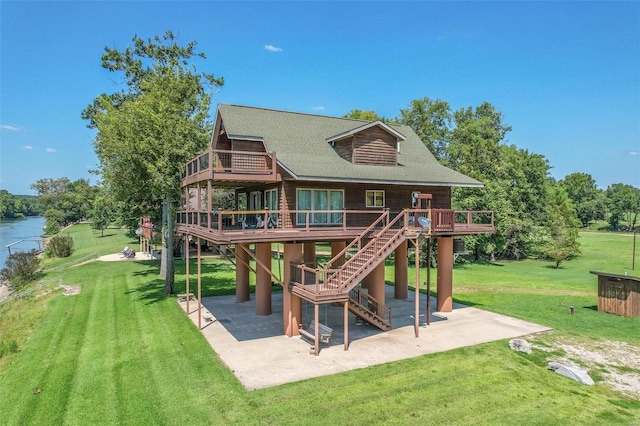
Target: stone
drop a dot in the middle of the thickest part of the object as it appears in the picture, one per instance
(573, 372)
(520, 345)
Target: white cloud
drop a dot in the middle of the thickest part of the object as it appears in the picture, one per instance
(9, 127)
(633, 153)
(318, 108)
(51, 150)
(272, 48)
(27, 147)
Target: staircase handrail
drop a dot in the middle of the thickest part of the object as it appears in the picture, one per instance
(386, 316)
(370, 243)
(358, 239)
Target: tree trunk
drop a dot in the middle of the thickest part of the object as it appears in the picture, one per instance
(166, 258)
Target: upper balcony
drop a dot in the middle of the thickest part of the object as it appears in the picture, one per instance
(231, 166)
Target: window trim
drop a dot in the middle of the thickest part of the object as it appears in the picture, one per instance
(376, 193)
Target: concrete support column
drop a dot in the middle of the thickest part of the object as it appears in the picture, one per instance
(337, 247)
(242, 273)
(401, 286)
(445, 274)
(374, 282)
(309, 252)
(263, 279)
(291, 304)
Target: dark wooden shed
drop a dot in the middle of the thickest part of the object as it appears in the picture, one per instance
(618, 294)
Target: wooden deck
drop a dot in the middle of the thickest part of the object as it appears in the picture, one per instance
(229, 227)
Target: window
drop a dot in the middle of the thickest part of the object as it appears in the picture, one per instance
(271, 199)
(375, 198)
(320, 202)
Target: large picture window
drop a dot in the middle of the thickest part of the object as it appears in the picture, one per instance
(375, 198)
(320, 199)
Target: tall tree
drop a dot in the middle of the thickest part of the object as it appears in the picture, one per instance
(63, 201)
(562, 226)
(587, 198)
(148, 130)
(624, 204)
(431, 120)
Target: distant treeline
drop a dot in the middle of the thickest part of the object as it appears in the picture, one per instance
(18, 206)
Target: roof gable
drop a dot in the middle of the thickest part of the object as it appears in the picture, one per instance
(364, 127)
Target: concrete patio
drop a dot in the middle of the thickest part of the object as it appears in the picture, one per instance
(260, 356)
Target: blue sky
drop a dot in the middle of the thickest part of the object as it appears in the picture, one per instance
(565, 75)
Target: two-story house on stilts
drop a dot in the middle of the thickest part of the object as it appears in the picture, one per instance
(368, 190)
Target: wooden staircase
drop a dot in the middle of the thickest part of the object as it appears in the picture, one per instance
(328, 284)
(368, 309)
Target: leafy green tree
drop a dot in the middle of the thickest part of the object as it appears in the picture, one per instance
(102, 214)
(562, 226)
(65, 202)
(358, 114)
(624, 204)
(588, 199)
(11, 207)
(148, 130)
(431, 120)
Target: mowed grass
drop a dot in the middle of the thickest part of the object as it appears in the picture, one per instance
(122, 353)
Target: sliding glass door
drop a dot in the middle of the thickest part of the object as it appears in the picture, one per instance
(320, 199)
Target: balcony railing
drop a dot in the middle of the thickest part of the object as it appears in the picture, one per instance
(443, 221)
(229, 163)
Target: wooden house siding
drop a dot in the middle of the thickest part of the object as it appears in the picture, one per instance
(344, 148)
(618, 294)
(376, 147)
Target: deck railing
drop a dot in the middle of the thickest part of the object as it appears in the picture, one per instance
(214, 161)
(443, 221)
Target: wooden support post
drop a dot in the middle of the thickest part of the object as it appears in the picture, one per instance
(209, 200)
(416, 324)
(242, 273)
(309, 252)
(337, 247)
(263, 279)
(401, 266)
(291, 304)
(186, 250)
(445, 274)
(374, 282)
(316, 314)
(346, 325)
(199, 287)
(428, 314)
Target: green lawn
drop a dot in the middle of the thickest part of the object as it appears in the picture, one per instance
(122, 353)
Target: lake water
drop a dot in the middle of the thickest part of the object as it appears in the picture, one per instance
(16, 230)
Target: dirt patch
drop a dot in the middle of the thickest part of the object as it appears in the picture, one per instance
(70, 290)
(617, 363)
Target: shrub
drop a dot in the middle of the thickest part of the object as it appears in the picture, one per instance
(60, 246)
(21, 268)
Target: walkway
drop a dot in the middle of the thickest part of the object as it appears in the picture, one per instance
(254, 348)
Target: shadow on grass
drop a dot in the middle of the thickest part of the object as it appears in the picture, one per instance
(553, 267)
(151, 292)
(482, 262)
(464, 302)
(592, 307)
